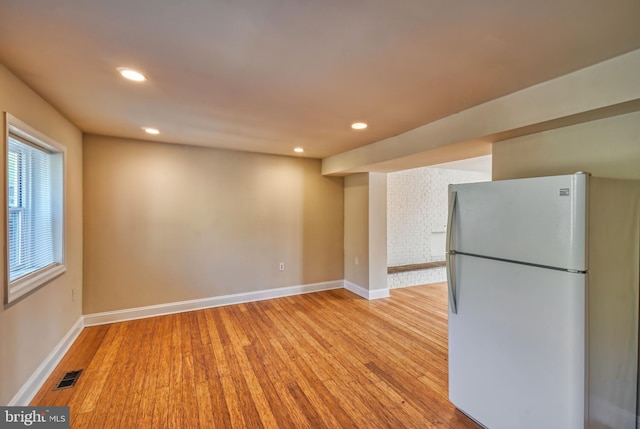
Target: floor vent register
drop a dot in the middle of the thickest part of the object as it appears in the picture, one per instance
(68, 380)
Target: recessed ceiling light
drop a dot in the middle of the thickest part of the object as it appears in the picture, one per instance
(298, 150)
(151, 131)
(131, 74)
(358, 125)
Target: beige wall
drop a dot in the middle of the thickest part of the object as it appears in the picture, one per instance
(606, 147)
(31, 327)
(377, 231)
(356, 229)
(166, 223)
(365, 230)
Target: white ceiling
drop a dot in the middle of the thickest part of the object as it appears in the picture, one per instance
(269, 75)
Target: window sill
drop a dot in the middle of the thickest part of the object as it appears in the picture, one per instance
(23, 286)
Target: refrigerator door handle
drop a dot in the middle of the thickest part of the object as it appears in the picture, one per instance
(451, 278)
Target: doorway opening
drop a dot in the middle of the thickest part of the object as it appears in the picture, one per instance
(417, 203)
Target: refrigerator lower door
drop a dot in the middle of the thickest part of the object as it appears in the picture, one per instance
(517, 345)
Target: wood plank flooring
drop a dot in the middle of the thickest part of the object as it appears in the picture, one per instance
(322, 360)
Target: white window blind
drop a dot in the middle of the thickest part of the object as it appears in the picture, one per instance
(35, 199)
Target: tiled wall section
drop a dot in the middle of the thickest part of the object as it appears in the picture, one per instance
(417, 218)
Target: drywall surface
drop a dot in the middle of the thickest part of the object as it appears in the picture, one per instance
(166, 223)
(31, 327)
(356, 229)
(377, 231)
(607, 147)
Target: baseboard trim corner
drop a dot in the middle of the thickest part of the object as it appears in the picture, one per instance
(379, 293)
(366, 293)
(29, 389)
(200, 304)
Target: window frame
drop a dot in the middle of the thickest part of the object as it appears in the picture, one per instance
(20, 287)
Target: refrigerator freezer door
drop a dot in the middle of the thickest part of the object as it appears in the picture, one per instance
(517, 345)
(540, 220)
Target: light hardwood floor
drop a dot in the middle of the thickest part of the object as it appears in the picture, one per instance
(322, 360)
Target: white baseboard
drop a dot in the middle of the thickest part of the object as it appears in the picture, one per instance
(28, 391)
(379, 293)
(31, 387)
(199, 304)
(366, 293)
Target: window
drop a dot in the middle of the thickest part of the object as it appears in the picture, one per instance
(35, 209)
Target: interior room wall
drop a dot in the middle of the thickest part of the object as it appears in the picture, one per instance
(378, 235)
(31, 327)
(607, 147)
(365, 233)
(356, 229)
(168, 223)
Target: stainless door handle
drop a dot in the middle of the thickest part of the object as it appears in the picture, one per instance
(451, 273)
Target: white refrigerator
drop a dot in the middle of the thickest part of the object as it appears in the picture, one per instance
(543, 278)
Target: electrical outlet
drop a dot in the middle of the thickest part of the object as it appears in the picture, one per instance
(357, 261)
(73, 295)
(281, 266)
